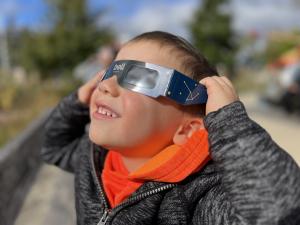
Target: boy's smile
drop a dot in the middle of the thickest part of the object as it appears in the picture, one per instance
(104, 112)
(132, 123)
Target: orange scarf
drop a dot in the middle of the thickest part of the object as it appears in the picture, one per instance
(172, 164)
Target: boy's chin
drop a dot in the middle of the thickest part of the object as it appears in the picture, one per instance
(95, 139)
(101, 141)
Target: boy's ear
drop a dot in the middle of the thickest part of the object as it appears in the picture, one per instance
(186, 129)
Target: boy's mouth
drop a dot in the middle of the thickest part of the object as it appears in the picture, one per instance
(105, 112)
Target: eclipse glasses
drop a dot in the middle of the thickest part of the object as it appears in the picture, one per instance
(154, 81)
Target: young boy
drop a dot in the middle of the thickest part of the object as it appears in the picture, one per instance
(155, 153)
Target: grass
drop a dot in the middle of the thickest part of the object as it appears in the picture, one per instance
(28, 102)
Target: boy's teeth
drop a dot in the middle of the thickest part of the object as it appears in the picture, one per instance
(106, 112)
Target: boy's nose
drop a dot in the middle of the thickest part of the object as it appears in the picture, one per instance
(109, 86)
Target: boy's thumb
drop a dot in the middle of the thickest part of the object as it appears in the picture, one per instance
(202, 81)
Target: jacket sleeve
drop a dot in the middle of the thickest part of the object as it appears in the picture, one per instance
(64, 132)
(260, 182)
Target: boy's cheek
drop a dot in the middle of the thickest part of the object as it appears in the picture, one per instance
(94, 93)
(92, 134)
(92, 104)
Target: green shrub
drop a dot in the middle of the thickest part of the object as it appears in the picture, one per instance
(7, 97)
(20, 104)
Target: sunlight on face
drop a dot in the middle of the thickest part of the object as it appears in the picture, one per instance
(143, 125)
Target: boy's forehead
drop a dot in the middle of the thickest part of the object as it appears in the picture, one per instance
(150, 52)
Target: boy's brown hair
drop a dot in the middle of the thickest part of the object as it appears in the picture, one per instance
(191, 61)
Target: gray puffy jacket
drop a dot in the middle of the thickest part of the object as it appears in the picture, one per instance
(250, 180)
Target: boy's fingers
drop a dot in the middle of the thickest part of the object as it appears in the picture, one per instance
(97, 78)
(99, 75)
(208, 82)
(227, 81)
(217, 82)
(203, 81)
(212, 85)
(220, 82)
(230, 85)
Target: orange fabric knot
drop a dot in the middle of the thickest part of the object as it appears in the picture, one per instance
(115, 180)
(172, 164)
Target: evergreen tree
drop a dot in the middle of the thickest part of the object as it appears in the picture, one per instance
(212, 34)
(73, 35)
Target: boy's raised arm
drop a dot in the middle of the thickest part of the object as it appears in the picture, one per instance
(260, 182)
(65, 128)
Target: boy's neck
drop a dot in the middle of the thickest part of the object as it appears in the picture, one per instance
(132, 164)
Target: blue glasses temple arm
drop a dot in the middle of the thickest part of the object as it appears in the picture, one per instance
(185, 90)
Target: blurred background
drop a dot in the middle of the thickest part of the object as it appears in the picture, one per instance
(48, 48)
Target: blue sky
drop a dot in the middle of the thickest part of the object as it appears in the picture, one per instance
(29, 13)
(26, 13)
(130, 17)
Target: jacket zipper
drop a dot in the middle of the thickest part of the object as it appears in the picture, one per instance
(134, 199)
(107, 211)
(96, 178)
(143, 195)
(104, 218)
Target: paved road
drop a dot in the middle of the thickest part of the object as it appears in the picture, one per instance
(51, 202)
(283, 128)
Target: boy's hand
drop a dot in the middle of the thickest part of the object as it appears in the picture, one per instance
(220, 92)
(85, 91)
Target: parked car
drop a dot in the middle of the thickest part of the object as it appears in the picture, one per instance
(284, 89)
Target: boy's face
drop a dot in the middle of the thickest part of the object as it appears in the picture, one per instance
(136, 125)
